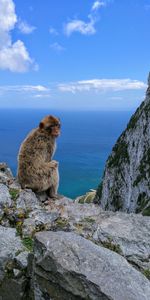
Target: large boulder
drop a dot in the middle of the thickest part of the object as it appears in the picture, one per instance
(126, 181)
(67, 266)
(13, 266)
(128, 235)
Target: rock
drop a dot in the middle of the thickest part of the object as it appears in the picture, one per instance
(17, 273)
(6, 176)
(60, 214)
(28, 228)
(38, 220)
(73, 211)
(67, 266)
(87, 198)
(29, 216)
(1, 213)
(15, 185)
(13, 289)
(10, 246)
(42, 197)
(22, 260)
(27, 201)
(126, 181)
(127, 234)
(5, 199)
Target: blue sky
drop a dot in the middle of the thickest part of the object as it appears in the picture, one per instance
(79, 54)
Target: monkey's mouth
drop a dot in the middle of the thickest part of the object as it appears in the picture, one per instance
(56, 133)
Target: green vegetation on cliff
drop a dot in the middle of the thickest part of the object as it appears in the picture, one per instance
(119, 154)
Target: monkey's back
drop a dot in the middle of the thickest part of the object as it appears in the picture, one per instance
(35, 151)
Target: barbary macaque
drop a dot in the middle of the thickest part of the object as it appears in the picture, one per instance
(36, 169)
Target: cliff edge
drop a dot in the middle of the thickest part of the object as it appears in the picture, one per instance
(126, 180)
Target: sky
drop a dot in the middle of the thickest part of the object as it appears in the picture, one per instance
(74, 54)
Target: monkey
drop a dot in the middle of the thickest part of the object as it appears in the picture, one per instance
(36, 169)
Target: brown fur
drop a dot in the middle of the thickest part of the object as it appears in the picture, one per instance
(36, 169)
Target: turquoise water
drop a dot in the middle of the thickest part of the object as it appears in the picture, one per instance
(82, 149)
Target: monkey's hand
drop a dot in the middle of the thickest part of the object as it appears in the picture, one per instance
(54, 164)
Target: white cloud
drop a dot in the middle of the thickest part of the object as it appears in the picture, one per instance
(53, 31)
(85, 28)
(25, 28)
(24, 88)
(57, 47)
(26, 91)
(13, 56)
(8, 17)
(42, 96)
(79, 26)
(93, 85)
(97, 5)
(100, 85)
(37, 88)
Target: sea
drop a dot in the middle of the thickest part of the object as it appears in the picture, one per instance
(83, 147)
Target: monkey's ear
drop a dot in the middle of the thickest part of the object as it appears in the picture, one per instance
(41, 125)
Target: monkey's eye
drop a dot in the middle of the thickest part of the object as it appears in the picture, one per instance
(58, 125)
(55, 125)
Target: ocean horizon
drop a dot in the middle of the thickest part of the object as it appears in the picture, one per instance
(83, 147)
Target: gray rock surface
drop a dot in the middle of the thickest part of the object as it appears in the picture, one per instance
(38, 220)
(67, 266)
(5, 199)
(61, 214)
(27, 201)
(6, 175)
(127, 234)
(131, 238)
(12, 280)
(126, 181)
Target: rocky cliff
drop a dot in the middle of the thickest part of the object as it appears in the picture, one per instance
(126, 181)
(81, 251)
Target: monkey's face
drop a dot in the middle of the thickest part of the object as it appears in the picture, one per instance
(52, 125)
